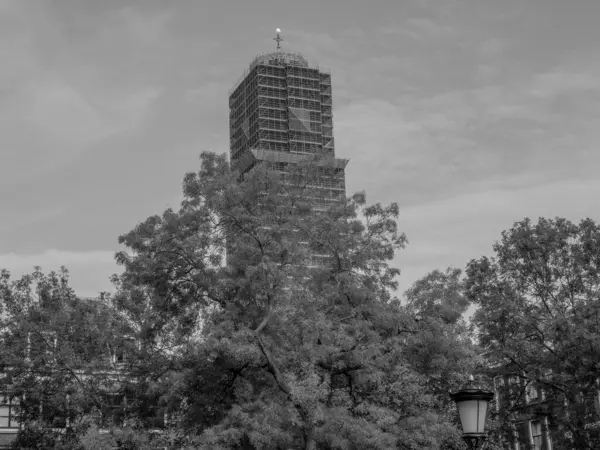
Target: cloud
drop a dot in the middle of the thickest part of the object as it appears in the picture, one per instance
(60, 110)
(128, 110)
(145, 26)
(81, 117)
(424, 146)
(452, 231)
(58, 96)
(413, 147)
(491, 47)
(52, 259)
(46, 125)
(29, 216)
(210, 93)
(485, 73)
(425, 27)
(395, 30)
(492, 103)
(320, 47)
(423, 30)
(562, 80)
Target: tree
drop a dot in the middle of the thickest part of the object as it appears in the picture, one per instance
(442, 347)
(58, 360)
(539, 316)
(440, 344)
(290, 355)
(439, 295)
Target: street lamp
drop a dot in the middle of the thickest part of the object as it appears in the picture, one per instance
(472, 403)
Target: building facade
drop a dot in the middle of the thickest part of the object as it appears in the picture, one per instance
(536, 413)
(524, 405)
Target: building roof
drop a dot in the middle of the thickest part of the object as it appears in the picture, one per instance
(279, 59)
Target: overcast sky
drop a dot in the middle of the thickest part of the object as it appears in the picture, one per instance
(471, 114)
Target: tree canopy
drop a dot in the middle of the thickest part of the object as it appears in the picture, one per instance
(301, 344)
(63, 361)
(538, 317)
(259, 315)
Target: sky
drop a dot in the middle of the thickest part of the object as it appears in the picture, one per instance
(470, 114)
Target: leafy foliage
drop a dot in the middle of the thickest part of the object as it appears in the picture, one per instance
(442, 350)
(59, 361)
(539, 318)
(289, 356)
(257, 316)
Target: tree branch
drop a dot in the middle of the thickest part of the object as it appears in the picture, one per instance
(266, 319)
(273, 368)
(284, 387)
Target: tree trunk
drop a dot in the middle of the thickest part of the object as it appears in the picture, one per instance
(309, 437)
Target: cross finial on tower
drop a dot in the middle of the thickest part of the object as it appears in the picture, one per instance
(278, 39)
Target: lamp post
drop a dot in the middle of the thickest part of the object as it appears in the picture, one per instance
(472, 403)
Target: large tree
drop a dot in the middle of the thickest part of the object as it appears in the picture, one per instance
(442, 347)
(296, 341)
(67, 363)
(539, 316)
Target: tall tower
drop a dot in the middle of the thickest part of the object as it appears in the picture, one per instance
(280, 111)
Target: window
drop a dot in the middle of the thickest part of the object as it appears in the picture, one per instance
(513, 381)
(520, 439)
(546, 433)
(119, 357)
(513, 388)
(523, 435)
(157, 417)
(8, 417)
(536, 434)
(114, 408)
(597, 396)
(532, 393)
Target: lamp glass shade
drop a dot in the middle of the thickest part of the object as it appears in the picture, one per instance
(472, 415)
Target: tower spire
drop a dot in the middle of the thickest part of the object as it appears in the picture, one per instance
(278, 39)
